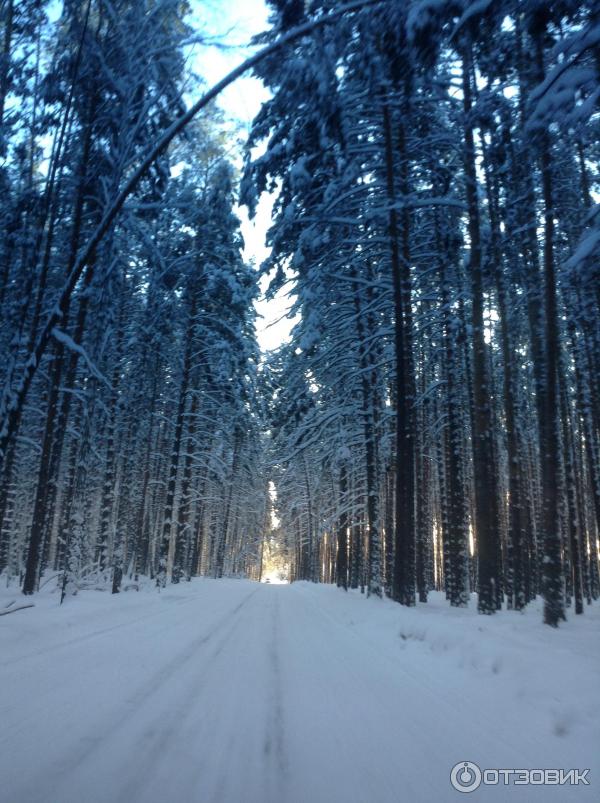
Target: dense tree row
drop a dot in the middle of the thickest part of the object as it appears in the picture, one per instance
(139, 448)
(434, 421)
(435, 417)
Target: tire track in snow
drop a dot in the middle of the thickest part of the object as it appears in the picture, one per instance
(253, 738)
(75, 760)
(164, 726)
(274, 744)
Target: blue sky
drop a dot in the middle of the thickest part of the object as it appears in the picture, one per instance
(235, 23)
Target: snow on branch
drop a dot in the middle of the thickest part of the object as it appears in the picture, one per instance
(69, 343)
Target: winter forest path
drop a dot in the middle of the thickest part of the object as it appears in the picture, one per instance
(233, 692)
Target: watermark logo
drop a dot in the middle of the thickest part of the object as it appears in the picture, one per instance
(466, 776)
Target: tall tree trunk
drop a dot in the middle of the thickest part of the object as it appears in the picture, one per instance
(342, 532)
(222, 537)
(183, 512)
(54, 427)
(486, 497)
(167, 516)
(369, 404)
(552, 570)
(404, 553)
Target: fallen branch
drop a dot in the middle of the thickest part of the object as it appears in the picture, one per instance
(18, 608)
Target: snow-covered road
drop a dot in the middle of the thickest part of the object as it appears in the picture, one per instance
(233, 692)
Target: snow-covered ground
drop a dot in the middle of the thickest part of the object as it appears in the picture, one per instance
(233, 692)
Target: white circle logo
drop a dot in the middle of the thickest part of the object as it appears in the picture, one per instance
(465, 776)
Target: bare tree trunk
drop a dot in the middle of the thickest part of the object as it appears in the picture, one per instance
(486, 497)
(552, 570)
(404, 553)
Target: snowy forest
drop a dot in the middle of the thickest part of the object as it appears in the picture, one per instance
(299, 401)
(433, 421)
